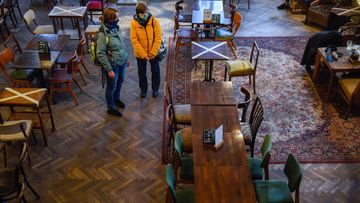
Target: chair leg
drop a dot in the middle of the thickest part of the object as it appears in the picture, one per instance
(72, 93)
(28, 184)
(232, 48)
(254, 84)
(5, 155)
(252, 149)
(250, 79)
(83, 64)
(82, 76)
(28, 151)
(78, 85)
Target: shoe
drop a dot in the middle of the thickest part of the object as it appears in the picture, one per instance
(114, 112)
(282, 6)
(119, 103)
(143, 94)
(155, 93)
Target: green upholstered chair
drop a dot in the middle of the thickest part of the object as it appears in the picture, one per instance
(259, 166)
(178, 196)
(229, 33)
(183, 165)
(250, 129)
(240, 68)
(350, 91)
(279, 191)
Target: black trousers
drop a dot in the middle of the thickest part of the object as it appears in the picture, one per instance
(155, 74)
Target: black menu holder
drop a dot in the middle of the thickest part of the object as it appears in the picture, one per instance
(44, 50)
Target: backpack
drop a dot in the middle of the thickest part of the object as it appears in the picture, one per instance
(93, 48)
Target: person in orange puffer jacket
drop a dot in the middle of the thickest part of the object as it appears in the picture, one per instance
(146, 37)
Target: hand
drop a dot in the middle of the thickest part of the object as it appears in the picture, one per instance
(127, 63)
(147, 58)
(151, 56)
(111, 74)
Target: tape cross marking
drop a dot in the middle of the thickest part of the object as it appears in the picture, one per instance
(209, 50)
(22, 95)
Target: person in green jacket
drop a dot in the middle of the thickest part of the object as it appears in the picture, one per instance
(112, 55)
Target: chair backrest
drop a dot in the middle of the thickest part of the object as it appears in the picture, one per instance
(178, 143)
(245, 104)
(254, 53)
(171, 117)
(29, 17)
(80, 47)
(176, 20)
(236, 23)
(233, 8)
(14, 127)
(167, 94)
(72, 65)
(256, 117)
(6, 56)
(265, 151)
(12, 43)
(170, 180)
(293, 172)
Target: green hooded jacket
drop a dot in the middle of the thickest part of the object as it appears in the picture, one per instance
(115, 45)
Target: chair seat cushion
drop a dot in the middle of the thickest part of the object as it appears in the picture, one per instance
(14, 133)
(187, 139)
(257, 172)
(59, 76)
(95, 5)
(44, 29)
(223, 34)
(185, 196)
(348, 86)
(246, 131)
(7, 182)
(186, 33)
(187, 168)
(240, 67)
(23, 74)
(182, 113)
(271, 191)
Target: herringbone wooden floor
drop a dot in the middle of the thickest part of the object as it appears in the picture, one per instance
(94, 157)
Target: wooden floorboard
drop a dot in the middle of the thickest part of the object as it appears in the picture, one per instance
(94, 157)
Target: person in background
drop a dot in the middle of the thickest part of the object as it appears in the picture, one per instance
(112, 55)
(145, 34)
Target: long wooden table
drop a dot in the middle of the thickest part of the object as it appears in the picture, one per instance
(215, 93)
(56, 42)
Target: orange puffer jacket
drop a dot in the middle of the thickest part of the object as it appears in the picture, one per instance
(142, 38)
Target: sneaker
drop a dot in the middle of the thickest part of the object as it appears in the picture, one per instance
(114, 112)
(155, 93)
(282, 6)
(143, 94)
(119, 103)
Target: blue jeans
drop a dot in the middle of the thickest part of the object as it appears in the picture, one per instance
(113, 86)
(155, 74)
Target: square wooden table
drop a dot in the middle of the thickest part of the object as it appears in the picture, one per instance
(30, 59)
(223, 175)
(209, 51)
(216, 93)
(56, 42)
(341, 65)
(77, 13)
(32, 98)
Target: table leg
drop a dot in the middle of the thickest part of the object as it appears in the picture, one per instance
(50, 111)
(54, 25)
(42, 126)
(85, 22)
(62, 24)
(330, 85)
(41, 78)
(206, 72)
(317, 67)
(210, 71)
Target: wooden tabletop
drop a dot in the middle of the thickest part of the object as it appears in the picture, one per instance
(342, 64)
(21, 96)
(210, 51)
(30, 60)
(223, 175)
(214, 93)
(56, 42)
(68, 11)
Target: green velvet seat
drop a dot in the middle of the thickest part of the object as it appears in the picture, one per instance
(258, 166)
(184, 164)
(272, 191)
(23, 74)
(223, 35)
(178, 196)
(268, 191)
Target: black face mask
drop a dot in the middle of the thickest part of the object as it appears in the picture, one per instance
(112, 25)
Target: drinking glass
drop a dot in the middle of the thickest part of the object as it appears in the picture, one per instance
(349, 45)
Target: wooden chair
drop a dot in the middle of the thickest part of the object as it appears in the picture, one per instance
(95, 6)
(260, 166)
(245, 104)
(183, 165)
(8, 11)
(29, 19)
(90, 32)
(182, 34)
(22, 77)
(280, 191)
(239, 68)
(349, 89)
(3, 22)
(229, 33)
(15, 131)
(186, 19)
(172, 195)
(250, 129)
(58, 77)
(13, 180)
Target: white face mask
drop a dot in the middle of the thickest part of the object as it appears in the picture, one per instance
(142, 15)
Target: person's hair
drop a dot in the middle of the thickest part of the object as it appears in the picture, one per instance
(141, 7)
(109, 14)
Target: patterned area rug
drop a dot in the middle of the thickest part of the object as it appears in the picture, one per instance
(296, 116)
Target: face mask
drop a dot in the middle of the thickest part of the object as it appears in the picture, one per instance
(142, 15)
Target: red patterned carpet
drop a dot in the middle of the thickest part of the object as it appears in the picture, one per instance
(295, 114)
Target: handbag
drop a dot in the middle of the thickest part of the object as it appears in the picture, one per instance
(162, 50)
